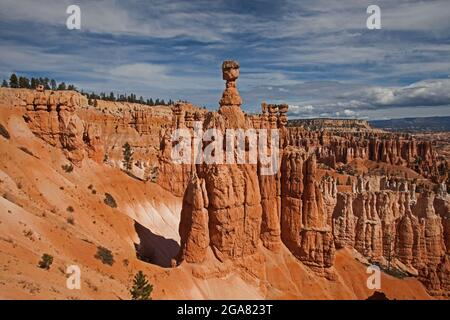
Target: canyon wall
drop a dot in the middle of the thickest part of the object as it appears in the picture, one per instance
(333, 147)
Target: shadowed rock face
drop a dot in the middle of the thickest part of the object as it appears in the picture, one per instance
(154, 248)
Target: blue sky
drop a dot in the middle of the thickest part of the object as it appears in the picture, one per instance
(317, 56)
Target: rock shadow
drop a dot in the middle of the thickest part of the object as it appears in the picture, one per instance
(153, 248)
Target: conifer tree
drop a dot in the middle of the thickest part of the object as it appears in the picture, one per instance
(34, 83)
(13, 81)
(62, 86)
(127, 157)
(24, 82)
(141, 289)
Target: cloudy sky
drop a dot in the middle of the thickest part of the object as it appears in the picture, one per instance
(318, 56)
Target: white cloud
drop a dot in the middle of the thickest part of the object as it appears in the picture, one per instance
(158, 19)
(344, 101)
(349, 113)
(304, 111)
(140, 72)
(422, 93)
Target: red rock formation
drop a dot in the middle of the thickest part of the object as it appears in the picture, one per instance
(230, 103)
(51, 116)
(387, 225)
(172, 177)
(270, 187)
(234, 210)
(344, 221)
(394, 149)
(270, 203)
(305, 229)
(194, 220)
(407, 240)
(368, 236)
(442, 208)
(92, 137)
(431, 243)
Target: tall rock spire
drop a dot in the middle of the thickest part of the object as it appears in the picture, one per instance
(230, 73)
(230, 103)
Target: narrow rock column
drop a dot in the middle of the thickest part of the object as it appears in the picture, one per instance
(194, 220)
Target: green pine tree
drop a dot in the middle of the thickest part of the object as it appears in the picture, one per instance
(141, 289)
(13, 81)
(46, 83)
(46, 261)
(4, 84)
(24, 82)
(127, 157)
(34, 83)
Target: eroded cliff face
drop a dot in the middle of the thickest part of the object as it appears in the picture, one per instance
(333, 147)
(388, 226)
(231, 212)
(65, 119)
(305, 222)
(51, 116)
